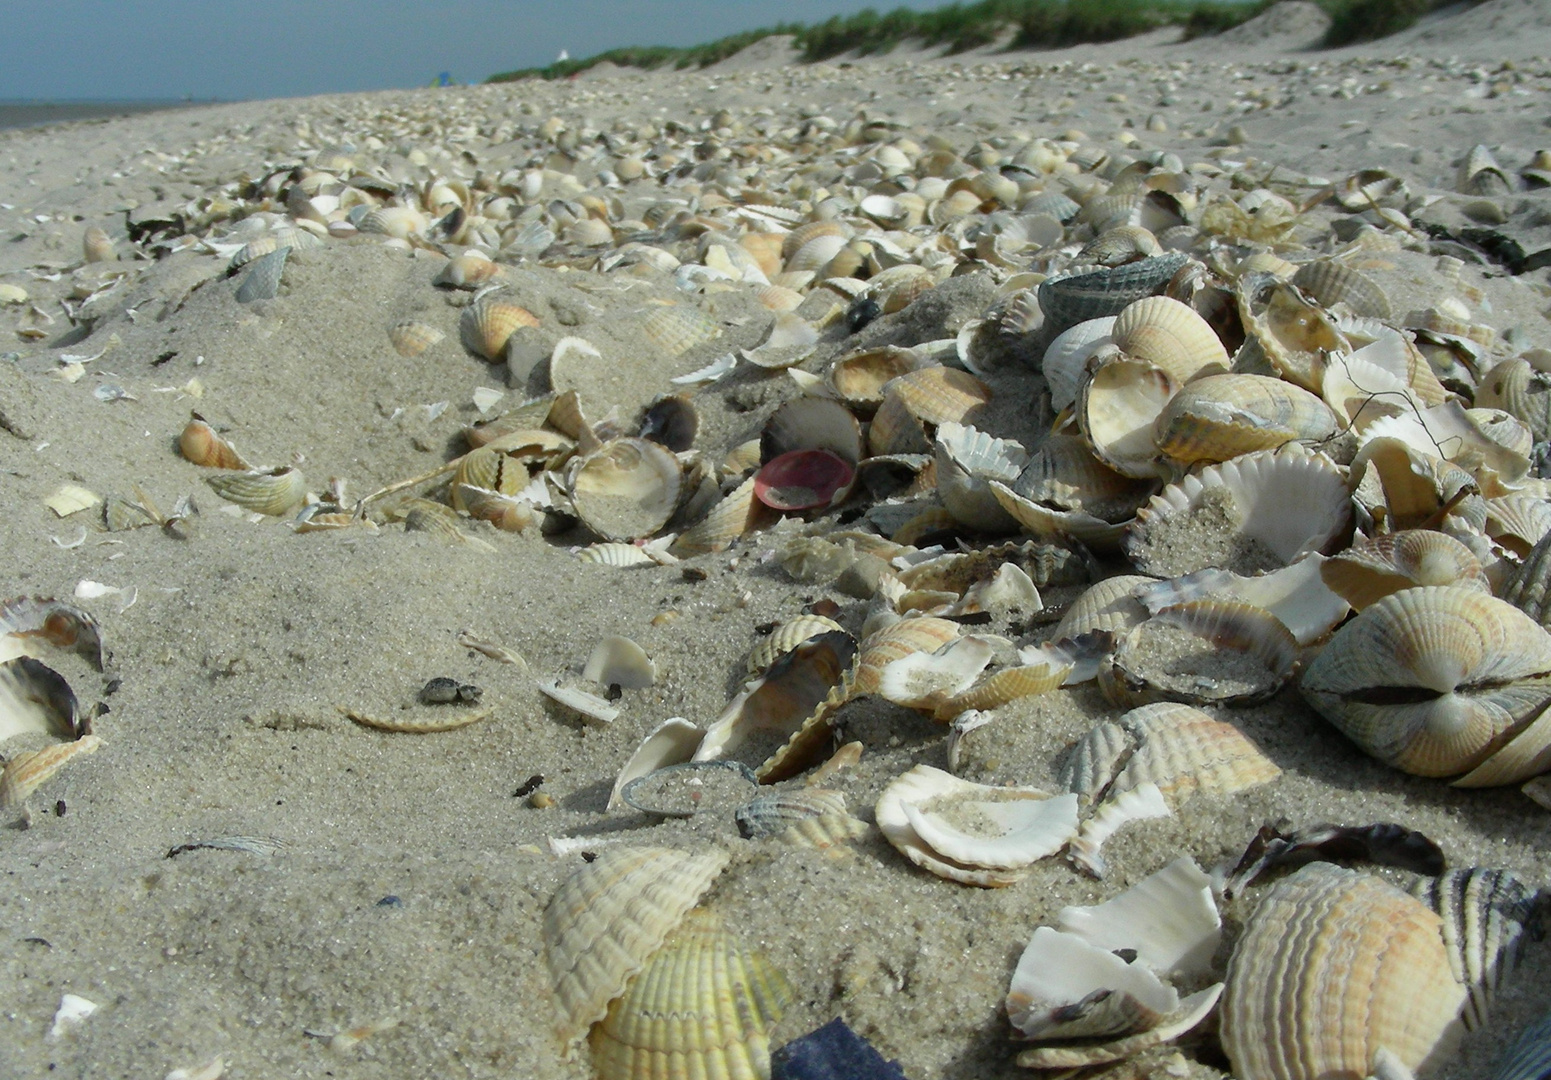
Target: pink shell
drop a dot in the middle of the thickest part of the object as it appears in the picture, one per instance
(804, 480)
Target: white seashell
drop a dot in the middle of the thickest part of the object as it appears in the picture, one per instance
(1067, 356)
(1296, 595)
(967, 460)
(593, 709)
(1169, 918)
(671, 742)
(618, 661)
(1060, 971)
(1141, 803)
(924, 680)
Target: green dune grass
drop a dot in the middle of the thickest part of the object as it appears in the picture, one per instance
(1022, 23)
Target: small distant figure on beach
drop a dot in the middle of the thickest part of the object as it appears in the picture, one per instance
(443, 79)
(565, 54)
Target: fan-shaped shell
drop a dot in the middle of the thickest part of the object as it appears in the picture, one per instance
(811, 424)
(272, 492)
(1331, 282)
(739, 512)
(1526, 588)
(1118, 410)
(702, 1006)
(1332, 967)
(1202, 652)
(786, 637)
(1488, 917)
(487, 324)
(1068, 299)
(1171, 336)
(1068, 354)
(27, 771)
(200, 444)
(966, 460)
(883, 647)
(1269, 509)
(1186, 752)
(628, 489)
(1222, 416)
(411, 338)
(939, 395)
(677, 329)
(1372, 569)
(1516, 387)
(1433, 680)
(1064, 474)
(771, 814)
(860, 377)
(1110, 605)
(471, 270)
(487, 469)
(609, 917)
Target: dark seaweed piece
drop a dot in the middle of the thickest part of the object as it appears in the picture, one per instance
(1498, 247)
(1382, 844)
(832, 1052)
(859, 314)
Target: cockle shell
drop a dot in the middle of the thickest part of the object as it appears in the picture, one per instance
(679, 328)
(786, 637)
(399, 222)
(885, 646)
(272, 492)
(28, 619)
(487, 324)
(671, 742)
(486, 469)
(26, 772)
(976, 834)
(1275, 506)
(1402, 487)
(1064, 474)
(894, 431)
(859, 378)
(1222, 416)
(769, 815)
(1171, 336)
(1071, 298)
(1529, 1058)
(1332, 967)
(97, 246)
(200, 444)
(471, 270)
(1479, 174)
(1331, 282)
(1515, 386)
(1526, 588)
(812, 424)
(1202, 652)
(411, 338)
(1067, 356)
(702, 1006)
(609, 917)
(628, 489)
(1295, 594)
(1294, 334)
(1488, 918)
(1118, 409)
(1109, 605)
(1370, 570)
(1433, 680)
(967, 459)
(938, 395)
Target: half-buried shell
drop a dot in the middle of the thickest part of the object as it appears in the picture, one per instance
(628, 489)
(272, 492)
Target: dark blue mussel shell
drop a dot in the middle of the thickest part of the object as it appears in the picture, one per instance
(832, 1052)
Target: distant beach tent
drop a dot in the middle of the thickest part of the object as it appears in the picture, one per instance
(564, 56)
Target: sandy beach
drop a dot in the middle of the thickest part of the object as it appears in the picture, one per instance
(402, 883)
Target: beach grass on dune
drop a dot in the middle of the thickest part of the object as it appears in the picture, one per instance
(1021, 24)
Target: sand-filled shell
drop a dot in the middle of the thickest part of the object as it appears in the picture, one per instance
(702, 1006)
(1068, 354)
(1331, 283)
(1295, 594)
(200, 444)
(1333, 966)
(411, 338)
(671, 742)
(1205, 652)
(609, 917)
(1255, 513)
(628, 489)
(1370, 570)
(907, 636)
(1063, 474)
(272, 492)
(1068, 299)
(1171, 336)
(1118, 409)
(976, 834)
(1488, 918)
(1433, 680)
(1222, 416)
(488, 323)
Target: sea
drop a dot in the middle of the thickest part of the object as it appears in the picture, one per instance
(20, 113)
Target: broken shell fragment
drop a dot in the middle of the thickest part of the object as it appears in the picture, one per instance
(626, 490)
(671, 742)
(1205, 652)
(1169, 918)
(591, 708)
(26, 772)
(618, 661)
(273, 492)
(1065, 988)
(609, 917)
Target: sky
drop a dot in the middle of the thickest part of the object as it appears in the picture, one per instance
(204, 49)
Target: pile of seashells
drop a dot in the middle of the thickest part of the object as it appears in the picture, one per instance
(1248, 470)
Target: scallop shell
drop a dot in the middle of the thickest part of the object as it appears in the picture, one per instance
(1372, 569)
(1109, 605)
(411, 338)
(1118, 409)
(487, 324)
(486, 469)
(1488, 918)
(858, 379)
(1205, 652)
(1071, 298)
(1171, 336)
(787, 637)
(27, 771)
(1042, 674)
(967, 460)
(1275, 507)
(891, 643)
(976, 834)
(272, 492)
(1294, 334)
(1433, 680)
(702, 1006)
(628, 489)
(1222, 416)
(1331, 282)
(735, 515)
(609, 917)
(1332, 967)
(937, 395)
(1067, 356)
(679, 328)
(1185, 752)
(799, 237)
(1518, 522)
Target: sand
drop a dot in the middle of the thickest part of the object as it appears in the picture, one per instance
(411, 880)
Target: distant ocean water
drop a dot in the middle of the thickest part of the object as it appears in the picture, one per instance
(20, 113)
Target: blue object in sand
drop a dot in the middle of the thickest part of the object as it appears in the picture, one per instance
(832, 1052)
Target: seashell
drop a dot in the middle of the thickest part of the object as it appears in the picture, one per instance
(800, 236)
(1110, 605)
(1529, 1058)
(399, 222)
(895, 432)
(770, 815)
(1192, 1012)
(1222, 416)
(28, 619)
(588, 232)
(1169, 335)
(924, 680)
(1525, 588)
(618, 661)
(937, 395)
(36, 698)
(471, 270)
(1071, 298)
(688, 788)
(1479, 174)
(737, 514)
(1294, 594)
(671, 742)
(1118, 409)
(273, 492)
(262, 281)
(1433, 680)
(786, 637)
(1142, 803)
(1044, 670)
(907, 636)
(791, 706)
(1202, 652)
(967, 460)
(1518, 522)
(1169, 919)
(419, 724)
(1257, 512)
(1265, 262)
(411, 338)
(626, 490)
(97, 246)
(486, 469)
(976, 834)
(1404, 488)
(1488, 917)
(790, 341)
(679, 328)
(858, 379)
(1185, 752)
(1516, 387)
(1331, 282)
(487, 324)
(608, 918)
(591, 708)
(200, 444)
(1064, 474)
(505, 512)
(812, 424)
(27, 771)
(1294, 334)
(702, 1006)
(671, 421)
(1332, 967)
(1119, 245)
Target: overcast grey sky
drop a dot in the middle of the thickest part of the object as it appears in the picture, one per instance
(283, 48)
